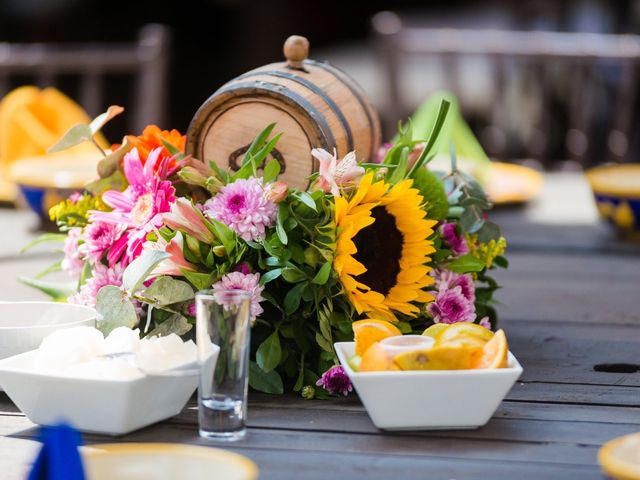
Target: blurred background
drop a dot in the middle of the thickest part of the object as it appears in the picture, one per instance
(527, 92)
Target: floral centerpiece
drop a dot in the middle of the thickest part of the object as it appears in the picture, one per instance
(391, 240)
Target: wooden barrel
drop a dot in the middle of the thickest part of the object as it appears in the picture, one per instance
(314, 105)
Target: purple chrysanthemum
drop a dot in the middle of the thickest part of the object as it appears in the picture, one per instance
(102, 276)
(73, 261)
(243, 207)
(242, 281)
(446, 280)
(451, 306)
(456, 242)
(335, 380)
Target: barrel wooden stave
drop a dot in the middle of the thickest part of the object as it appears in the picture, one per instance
(317, 106)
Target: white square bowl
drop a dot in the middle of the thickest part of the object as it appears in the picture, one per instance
(430, 400)
(113, 407)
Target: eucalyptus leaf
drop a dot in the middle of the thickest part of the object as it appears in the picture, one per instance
(267, 382)
(116, 181)
(176, 323)
(269, 353)
(167, 291)
(74, 136)
(138, 270)
(114, 309)
(471, 220)
(109, 164)
(489, 231)
(465, 264)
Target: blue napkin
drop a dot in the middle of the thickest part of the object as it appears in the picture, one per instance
(59, 458)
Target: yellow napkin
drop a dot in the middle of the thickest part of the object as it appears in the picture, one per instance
(31, 121)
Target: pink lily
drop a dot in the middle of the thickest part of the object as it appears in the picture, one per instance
(186, 218)
(336, 173)
(176, 263)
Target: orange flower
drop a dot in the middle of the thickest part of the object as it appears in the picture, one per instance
(152, 138)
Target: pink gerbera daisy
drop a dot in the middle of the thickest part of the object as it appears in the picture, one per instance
(138, 210)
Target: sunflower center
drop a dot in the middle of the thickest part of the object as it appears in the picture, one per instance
(379, 250)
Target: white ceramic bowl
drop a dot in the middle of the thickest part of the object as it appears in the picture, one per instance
(164, 461)
(23, 325)
(430, 400)
(114, 407)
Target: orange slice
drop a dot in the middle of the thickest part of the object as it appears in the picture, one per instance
(620, 457)
(369, 331)
(376, 359)
(493, 354)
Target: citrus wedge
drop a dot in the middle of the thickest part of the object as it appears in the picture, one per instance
(376, 359)
(436, 329)
(369, 331)
(493, 354)
(620, 457)
(465, 329)
(444, 357)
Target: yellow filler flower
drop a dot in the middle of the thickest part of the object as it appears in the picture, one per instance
(382, 248)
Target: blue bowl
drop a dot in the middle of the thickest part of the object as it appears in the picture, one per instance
(616, 189)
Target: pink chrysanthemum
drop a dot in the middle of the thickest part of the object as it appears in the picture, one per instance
(243, 207)
(99, 237)
(249, 282)
(453, 239)
(451, 306)
(335, 380)
(446, 280)
(102, 276)
(73, 261)
(138, 210)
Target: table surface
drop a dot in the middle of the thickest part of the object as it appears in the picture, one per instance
(568, 304)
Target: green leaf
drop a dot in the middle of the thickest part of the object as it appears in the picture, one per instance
(117, 181)
(270, 275)
(109, 164)
(56, 267)
(292, 298)
(466, 263)
(74, 136)
(269, 353)
(101, 120)
(323, 343)
(435, 132)
(44, 238)
(172, 149)
(293, 274)
(224, 234)
(176, 323)
(271, 171)
(471, 220)
(267, 382)
(282, 215)
(167, 291)
(138, 270)
(59, 292)
(199, 280)
(114, 309)
(501, 261)
(307, 199)
(323, 274)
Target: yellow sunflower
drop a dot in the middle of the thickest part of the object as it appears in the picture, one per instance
(382, 248)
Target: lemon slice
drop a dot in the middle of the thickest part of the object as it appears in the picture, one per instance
(620, 457)
(444, 357)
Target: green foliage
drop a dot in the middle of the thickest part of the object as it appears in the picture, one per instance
(114, 309)
(432, 190)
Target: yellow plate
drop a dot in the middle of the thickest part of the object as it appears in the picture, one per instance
(164, 461)
(620, 457)
(508, 183)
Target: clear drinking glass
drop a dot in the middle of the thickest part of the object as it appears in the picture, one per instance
(222, 335)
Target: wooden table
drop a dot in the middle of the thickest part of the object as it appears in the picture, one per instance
(569, 308)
